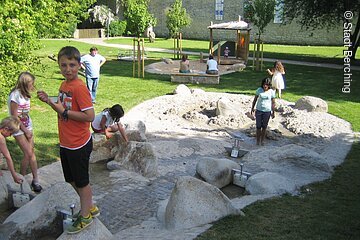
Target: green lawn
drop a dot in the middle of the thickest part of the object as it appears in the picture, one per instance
(328, 212)
(325, 54)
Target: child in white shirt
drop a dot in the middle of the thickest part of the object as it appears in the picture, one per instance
(108, 122)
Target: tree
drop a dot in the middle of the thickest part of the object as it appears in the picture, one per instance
(176, 18)
(137, 16)
(22, 22)
(58, 18)
(324, 14)
(259, 13)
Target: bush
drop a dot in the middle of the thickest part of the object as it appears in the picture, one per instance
(117, 28)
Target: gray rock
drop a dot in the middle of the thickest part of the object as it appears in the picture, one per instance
(100, 154)
(39, 217)
(6, 180)
(291, 161)
(216, 171)
(96, 231)
(311, 104)
(182, 89)
(194, 202)
(269, 183)
(225, 107)
(138, 157)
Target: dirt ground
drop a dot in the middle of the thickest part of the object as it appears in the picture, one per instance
(173, 67)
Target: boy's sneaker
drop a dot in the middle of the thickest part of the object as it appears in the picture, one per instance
(80, 224)
(36, 187)
(94, 212)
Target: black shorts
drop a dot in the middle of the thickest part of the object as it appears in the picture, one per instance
(75, 164)
(262, 119)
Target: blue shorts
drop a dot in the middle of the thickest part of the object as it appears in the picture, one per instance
(262, 119)
(75, 164)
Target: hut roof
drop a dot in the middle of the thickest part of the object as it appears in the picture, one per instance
(234, 25)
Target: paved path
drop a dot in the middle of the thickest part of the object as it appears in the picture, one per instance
(100, 42)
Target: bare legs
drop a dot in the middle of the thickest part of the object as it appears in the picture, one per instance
(27, 147)
(260, 136)
(85, 194)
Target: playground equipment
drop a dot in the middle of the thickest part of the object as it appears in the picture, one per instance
(241, 43)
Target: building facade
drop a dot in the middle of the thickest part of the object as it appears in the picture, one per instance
(203, 12)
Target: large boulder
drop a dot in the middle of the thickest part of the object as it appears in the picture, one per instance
(7, 181)
(311, 104)
(137, 157)
(194, 202)
(96, 231)
(182, 89)
(39, 217)
(269, 183)
(300, 164)
(216, 171)
(226, 107)
(104, 149)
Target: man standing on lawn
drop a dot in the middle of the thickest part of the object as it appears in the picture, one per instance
(91, 63)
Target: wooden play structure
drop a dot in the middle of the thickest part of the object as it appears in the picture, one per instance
(241, 43)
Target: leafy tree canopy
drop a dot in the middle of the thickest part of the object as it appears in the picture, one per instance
(137, 16)
(22, 22)
(177, 18)
(323, 13)
(259, 13)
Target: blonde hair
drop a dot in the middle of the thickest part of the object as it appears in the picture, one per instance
(23, 84)
(279, 67)
(11, 123)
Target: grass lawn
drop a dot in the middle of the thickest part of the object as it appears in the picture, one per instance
(325, 54)
(329, 210)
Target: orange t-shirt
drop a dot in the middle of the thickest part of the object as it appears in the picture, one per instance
(74, 96)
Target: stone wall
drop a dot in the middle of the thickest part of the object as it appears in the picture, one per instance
(202, 13)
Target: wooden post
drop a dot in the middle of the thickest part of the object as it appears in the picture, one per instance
(254, 53)
(219, 53)
(138, 56)
(143, 58)
(211, 44)
(174, 46)
(262, 55)
(177, 46)
(133, 57)
(258, 54)
(180, 47)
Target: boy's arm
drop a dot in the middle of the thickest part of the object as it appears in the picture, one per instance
(4, 150)
(122, 131)
(80, 116)
(83, 116)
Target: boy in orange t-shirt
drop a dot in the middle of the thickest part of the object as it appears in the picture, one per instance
(75, 113)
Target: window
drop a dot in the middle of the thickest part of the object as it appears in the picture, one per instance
(278, 11)
(219, 9)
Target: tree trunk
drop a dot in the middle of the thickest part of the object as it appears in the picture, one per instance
(355, 39)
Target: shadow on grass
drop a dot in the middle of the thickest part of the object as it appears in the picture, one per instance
(300, 80)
